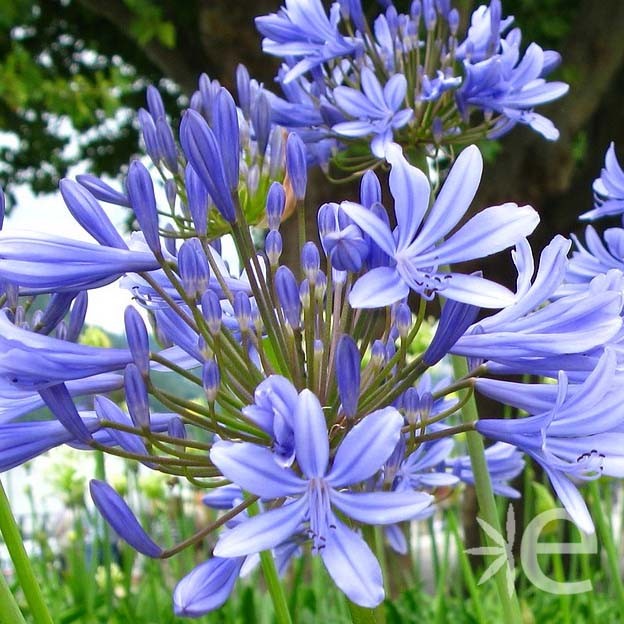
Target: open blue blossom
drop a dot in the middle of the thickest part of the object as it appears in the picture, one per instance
(303, 30)
(418, 262)
(310, 498)
(576, 323)
(608, 189)
(512, 87)
(569, 431)
(375, 111)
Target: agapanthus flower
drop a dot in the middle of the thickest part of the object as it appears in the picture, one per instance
(418, 262)
(511, 86)
(303, 30)
(573, 324)
(570, 430)
(608, 189)
(376, 111)
(310, 497)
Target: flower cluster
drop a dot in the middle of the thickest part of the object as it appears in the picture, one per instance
(315, 414)
(407, 78)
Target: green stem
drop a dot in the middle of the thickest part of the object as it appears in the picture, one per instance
(23, 569)
(271, 578)
(485, 495)
(9, 611)
(363, 615)
(606, 539)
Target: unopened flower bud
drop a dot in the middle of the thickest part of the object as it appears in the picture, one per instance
(136, 397)
(273, 247)
(211, 308)
(242, 310)
(296, 165)
(348, 374)
(288, 295)
(310, 261)
(211, 380)
(138, 340)
(143, 201)
(276, 200)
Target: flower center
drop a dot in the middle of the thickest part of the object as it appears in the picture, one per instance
(321, 518)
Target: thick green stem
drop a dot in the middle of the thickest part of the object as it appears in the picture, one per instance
(485, 495)
(271, 578)
(606, 539)
(23, 569)
(363, 615)
(9, 610)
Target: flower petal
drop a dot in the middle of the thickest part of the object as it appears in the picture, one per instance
(571, 499)
(372, 225)
(353, 566)
(254, 469)
(311, 443)
(262, 532)
(381, 507)
(206, 587)
(366, 447)
(410, 189)
(378, 288)
(454, 198)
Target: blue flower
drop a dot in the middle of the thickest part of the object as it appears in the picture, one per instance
(376, 111)
(42, 263)
(303, 29)
(412, 247)
(576, 323)
(504, 463)
(512, 87)
(29, 360)
(275, 400)
(310, 498)
(573, 433)
(608, 189)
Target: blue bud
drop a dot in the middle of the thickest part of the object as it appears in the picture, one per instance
(443, 7)
(453, 20)
(321, 286)
(211, 308)
(243, 89)
(261, 120)
(155, 104)
(304, 293)
(176, 428)
(437, 130)
(370, 189)
(61, 328)
(276, 150)
(204, 154)
(310, 261)
(143, 201)
(170, 239)
(348, 362)
(102, 191)
(193, 268)
(288, 295)
(377, 256)
(107, 410)
(209, 90)
(138, 340)
(60, 403)
(150, 135)
(167, 144)
(417, 407)
(77, 316)
(276, 200)
(198, 200)
(225, 126)
(171, 192)
(88, 212)
(429, 14)
(136, 397)
(211, 380)
(57, 308)
(455, 319)
(242, 310)
(415, 10)
(403, 319)
(327, 219)
(273, 247)
(121, 519)
(352, 9)
(296, 165)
